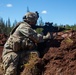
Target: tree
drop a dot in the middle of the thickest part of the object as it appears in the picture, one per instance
(2, 25)
(14, 24)
(28, 9)
(41, 23)
(67, 26)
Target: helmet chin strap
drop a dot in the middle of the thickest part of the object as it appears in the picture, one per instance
(32, 23)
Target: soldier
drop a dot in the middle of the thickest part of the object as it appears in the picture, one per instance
(22, 37)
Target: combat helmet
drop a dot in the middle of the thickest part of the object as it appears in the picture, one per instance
(31, 16)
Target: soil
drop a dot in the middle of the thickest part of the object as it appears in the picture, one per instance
(60, 58)
(58, 55)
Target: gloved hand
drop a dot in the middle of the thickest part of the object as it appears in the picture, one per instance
(48, 36)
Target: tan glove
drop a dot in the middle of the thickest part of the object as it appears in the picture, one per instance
(48, 36)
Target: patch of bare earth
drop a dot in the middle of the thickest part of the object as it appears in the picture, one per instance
(61, 60)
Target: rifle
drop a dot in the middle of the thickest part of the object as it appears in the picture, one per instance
(48, 27)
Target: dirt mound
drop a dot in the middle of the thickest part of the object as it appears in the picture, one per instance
(61, 60)
(3, 38)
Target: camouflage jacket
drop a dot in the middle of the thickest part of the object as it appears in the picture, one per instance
(23, 31)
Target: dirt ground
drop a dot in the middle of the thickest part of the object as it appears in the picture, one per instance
(58, 56)
(60, 59)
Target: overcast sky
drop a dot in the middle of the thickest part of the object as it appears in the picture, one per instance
(56, 11)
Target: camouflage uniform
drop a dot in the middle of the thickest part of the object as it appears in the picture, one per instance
(10, 54)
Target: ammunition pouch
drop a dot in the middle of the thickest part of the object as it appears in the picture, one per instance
(28, 44)
(13, 43)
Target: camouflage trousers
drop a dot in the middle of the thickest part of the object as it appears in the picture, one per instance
(10, 62)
